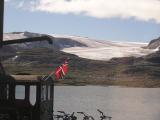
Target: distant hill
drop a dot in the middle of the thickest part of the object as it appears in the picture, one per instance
(82, 46)
(154, 44)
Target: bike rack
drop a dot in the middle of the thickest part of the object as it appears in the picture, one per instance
(64, 116)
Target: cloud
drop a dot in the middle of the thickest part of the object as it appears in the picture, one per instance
(144, 10)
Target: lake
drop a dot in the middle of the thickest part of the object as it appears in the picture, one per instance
(119, 102)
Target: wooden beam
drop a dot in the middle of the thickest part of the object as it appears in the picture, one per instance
(23, 40)
(1, 21)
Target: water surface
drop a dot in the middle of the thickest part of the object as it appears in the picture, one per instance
(120, 103)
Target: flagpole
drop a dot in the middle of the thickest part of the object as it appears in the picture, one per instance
(53, 97)
(48, 76)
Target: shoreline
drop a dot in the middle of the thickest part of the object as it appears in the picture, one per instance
(136, 83)
(119, 83)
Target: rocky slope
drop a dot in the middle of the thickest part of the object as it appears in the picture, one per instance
(154, 44)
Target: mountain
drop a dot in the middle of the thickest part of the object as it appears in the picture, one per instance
(39, 58)
(154, 44)
(58, 43)
(83, 46)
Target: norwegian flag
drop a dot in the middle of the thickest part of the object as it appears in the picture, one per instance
(62, 70)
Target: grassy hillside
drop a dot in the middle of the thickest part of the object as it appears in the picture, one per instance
(129, 71)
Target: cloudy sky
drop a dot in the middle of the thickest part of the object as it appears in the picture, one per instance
(117, 20)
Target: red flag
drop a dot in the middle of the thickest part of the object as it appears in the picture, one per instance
(61, 71)
(58, 73)
(65, 68)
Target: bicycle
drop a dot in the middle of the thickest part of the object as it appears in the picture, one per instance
(86, 117)
(65, 116)
(102, 116)
(58, 117)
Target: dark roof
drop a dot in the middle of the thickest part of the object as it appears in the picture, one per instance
(19, 78)
(24, 79)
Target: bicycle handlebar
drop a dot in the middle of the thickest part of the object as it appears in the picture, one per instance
(72, 114)
(80, 112)
(99, 111)
(86, 117)
(103, 116)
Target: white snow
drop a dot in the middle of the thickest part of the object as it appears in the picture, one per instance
(106, 53)
(11, 36)
(105, 50)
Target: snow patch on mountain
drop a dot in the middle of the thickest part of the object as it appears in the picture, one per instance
(106, 53)
(83, 46)
(105, 50)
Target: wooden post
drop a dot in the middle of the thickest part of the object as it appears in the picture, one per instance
(1, 30)
(1, 21)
